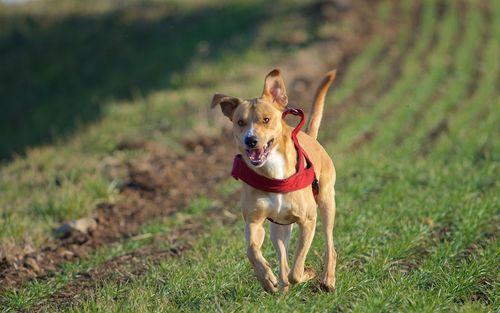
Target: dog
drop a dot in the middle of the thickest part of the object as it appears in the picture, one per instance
(266, 145)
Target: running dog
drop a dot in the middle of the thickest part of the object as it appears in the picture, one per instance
(271, 151)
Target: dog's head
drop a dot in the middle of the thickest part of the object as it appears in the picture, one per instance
(257, 123)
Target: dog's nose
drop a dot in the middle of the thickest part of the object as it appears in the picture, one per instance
(251, 141)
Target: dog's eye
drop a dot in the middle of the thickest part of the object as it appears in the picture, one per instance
(241, 123)
(265, 120)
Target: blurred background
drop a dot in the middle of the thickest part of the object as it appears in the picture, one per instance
(63, 61)
(104, 115)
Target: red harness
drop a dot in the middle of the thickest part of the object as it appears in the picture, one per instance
(303, 178)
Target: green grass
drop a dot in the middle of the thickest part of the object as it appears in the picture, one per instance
(416, 230)
(411, 68)
(372, 61)
(452, 89)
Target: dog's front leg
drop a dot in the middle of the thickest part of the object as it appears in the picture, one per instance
(298, 273)
(280, 236)
(255, 233)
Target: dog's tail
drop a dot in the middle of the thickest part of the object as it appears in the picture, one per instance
(319, 102)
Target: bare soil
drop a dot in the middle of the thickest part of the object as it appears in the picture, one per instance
(122, 268)
(157, 186)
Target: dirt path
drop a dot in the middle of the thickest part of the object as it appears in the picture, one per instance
(158, 186)
(121, 268)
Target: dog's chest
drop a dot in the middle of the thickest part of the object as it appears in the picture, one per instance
(276, 204)
(276, 164)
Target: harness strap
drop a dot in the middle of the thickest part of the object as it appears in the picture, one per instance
(295, 131)
(274, 222)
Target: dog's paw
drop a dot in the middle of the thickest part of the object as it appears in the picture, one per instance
(268, 281)
(308, 274)
(284, 289)
(328, 283)
(270, 284)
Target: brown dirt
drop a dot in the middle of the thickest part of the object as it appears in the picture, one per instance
(122, 268)
(158, 186)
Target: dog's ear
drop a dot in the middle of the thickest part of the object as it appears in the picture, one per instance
(227, 104)
(274, 89)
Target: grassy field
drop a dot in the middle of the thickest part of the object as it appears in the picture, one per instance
(412, 125)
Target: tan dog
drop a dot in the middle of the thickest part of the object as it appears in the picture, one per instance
(264, 140)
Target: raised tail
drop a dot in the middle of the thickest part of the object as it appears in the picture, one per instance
(319, 102)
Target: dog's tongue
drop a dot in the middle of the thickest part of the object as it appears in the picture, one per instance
(255, 154)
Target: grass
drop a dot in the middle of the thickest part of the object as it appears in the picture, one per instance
(417, 217)
(373, 61)
(411, 67)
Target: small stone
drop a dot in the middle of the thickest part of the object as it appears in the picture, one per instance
(83, 225)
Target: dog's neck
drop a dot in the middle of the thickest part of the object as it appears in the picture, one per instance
(282, 161)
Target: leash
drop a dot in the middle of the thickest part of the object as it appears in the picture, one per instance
(303, 177)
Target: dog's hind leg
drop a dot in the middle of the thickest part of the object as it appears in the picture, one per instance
(326, 203)
(298, 273)
(255, 233)
(280, 236)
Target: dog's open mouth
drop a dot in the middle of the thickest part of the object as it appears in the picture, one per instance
(258, 156)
